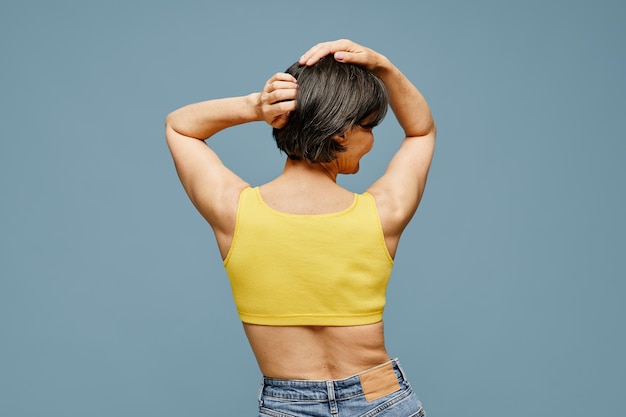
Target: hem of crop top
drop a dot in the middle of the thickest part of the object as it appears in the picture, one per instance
(313, 320)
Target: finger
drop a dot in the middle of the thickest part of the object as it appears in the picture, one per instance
(351, 57)
(282, 76)
(325, 48)
(285, 106)
(279, 109)
(281, 85)
(320, 50)
(314, 54)
(281, 95)
(273, 86)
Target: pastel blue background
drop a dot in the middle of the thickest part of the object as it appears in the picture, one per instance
(508, 294)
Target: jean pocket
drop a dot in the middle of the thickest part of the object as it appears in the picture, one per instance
(266, 412)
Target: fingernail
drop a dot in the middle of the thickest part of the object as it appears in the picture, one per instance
(339, 56)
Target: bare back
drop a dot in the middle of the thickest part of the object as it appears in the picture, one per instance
(313, 352)
(316, 352)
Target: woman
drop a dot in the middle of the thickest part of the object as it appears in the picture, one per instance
(307, 259)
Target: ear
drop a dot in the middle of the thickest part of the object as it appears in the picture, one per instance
(340, 139)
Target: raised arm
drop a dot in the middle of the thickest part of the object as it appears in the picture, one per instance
(211, 186)
(399, 191)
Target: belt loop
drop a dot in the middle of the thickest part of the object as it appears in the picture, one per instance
(396, 362)
(330, 387)
(260, 397)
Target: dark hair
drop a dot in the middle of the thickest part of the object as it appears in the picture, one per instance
(332, 98)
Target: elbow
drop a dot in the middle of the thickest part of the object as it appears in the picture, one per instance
(173, 123)
(168, 128)
(172, 130)
(169, 120)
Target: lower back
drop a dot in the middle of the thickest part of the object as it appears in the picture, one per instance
(316, 352)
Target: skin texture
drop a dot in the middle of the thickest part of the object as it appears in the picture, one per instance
(308, 352)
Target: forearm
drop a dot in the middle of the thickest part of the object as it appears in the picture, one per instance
(408, 104)
(202, 120)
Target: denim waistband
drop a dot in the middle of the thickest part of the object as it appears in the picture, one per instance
(320, 390)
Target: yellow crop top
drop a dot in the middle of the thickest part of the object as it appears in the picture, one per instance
(322, 270)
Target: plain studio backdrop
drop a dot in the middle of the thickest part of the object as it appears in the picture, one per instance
(507, 298)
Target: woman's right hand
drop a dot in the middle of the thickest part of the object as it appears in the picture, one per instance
(277, 99)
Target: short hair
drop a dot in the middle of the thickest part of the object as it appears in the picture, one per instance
(332, 98)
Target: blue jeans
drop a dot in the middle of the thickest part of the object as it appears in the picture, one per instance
(381, 391)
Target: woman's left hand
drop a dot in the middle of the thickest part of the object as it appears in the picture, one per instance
(277, 99)
(346, 51)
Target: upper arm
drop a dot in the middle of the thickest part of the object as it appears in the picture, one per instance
(399, 191)
(212, 187)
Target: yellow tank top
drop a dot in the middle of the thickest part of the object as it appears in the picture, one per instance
(321, 270)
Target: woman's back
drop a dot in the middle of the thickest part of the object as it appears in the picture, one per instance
(325, 320)
(304, 351)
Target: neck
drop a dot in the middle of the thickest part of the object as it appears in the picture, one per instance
(317, 172)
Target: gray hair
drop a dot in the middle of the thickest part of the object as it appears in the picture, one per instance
(332, 98)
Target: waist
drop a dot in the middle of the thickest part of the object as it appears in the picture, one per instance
(380, 380)
(316, 353)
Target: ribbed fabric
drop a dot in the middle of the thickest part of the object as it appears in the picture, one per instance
(322, 270)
